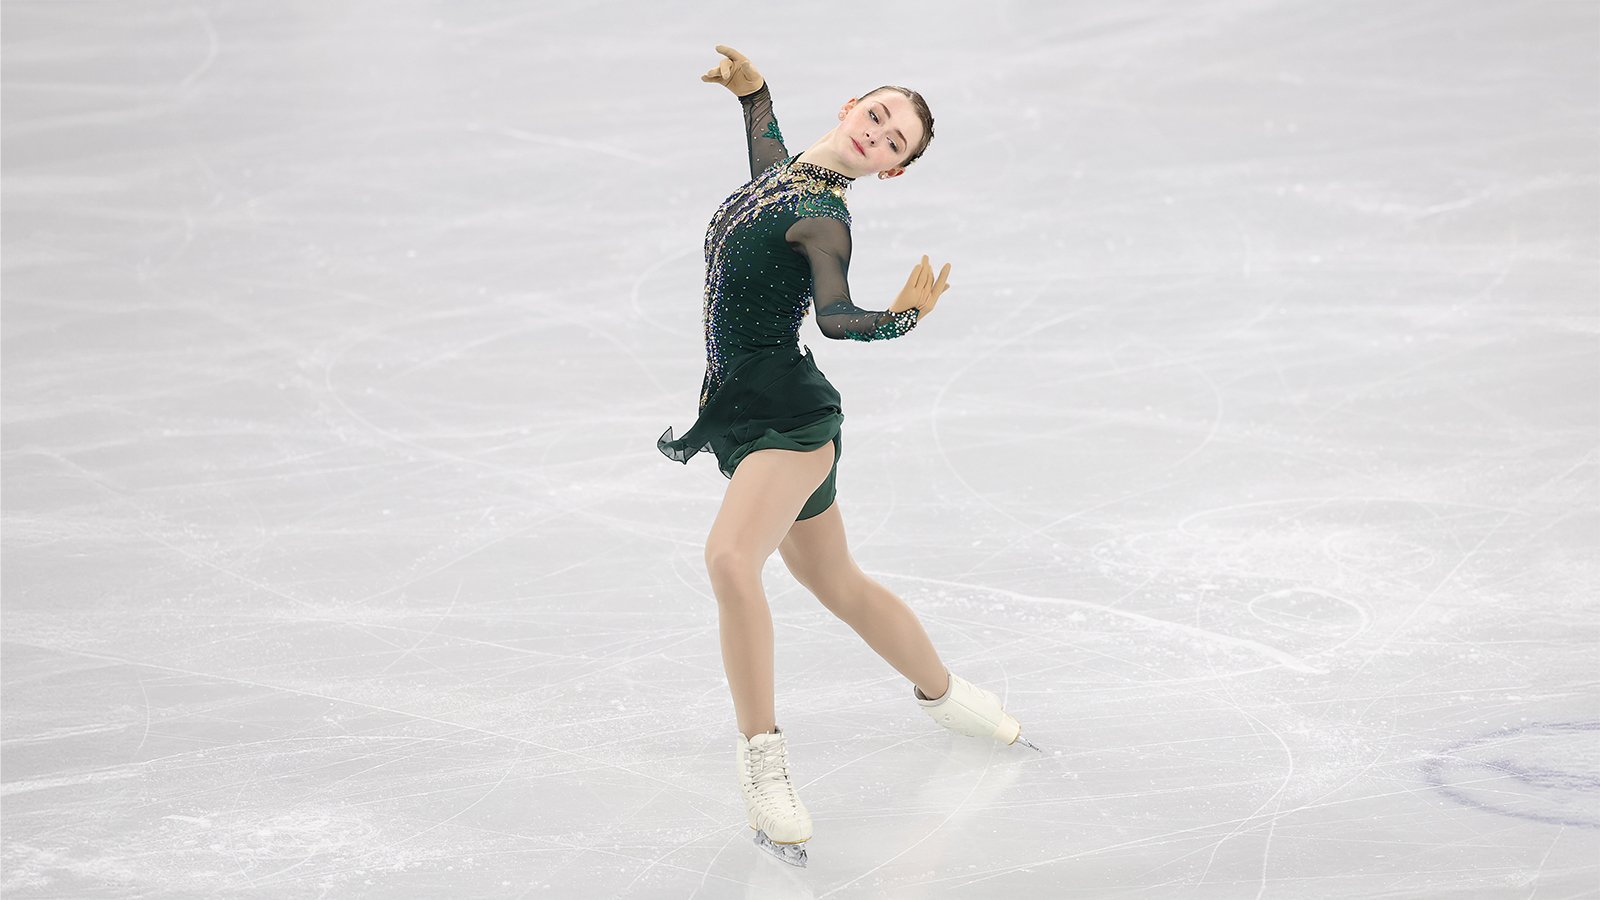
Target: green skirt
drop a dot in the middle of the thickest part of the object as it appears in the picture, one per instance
(771, 398)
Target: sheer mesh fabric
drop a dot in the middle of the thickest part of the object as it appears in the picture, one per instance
(825, 243)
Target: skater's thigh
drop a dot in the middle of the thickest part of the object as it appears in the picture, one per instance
(764, 497)
(817, 554)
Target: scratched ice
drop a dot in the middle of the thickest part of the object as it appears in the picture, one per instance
(1252, 457)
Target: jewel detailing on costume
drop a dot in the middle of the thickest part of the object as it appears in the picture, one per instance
(891, 327)
(824, 176)
(791, 185)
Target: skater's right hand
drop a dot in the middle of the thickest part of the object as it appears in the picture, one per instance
(921, 290)
(735, 72)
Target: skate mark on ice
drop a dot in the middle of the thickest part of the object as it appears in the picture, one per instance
(1542, 772)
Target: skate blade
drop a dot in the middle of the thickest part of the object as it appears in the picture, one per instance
(793, 854)
(1026, 743)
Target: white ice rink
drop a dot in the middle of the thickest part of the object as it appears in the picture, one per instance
(1251, 458)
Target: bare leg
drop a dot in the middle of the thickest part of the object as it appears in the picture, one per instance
(766, 493)
(817, 555)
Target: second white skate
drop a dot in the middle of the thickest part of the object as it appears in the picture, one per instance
(968, 709)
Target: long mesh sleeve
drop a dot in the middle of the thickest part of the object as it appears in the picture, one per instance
(761, 132)
(825, 242)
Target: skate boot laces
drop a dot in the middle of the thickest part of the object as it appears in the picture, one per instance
(766, 769)
(769, 762)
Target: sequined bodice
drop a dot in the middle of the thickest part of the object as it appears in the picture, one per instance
(758, 289)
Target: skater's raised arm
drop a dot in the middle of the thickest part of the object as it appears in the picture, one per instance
(825, 242)
(762, 138)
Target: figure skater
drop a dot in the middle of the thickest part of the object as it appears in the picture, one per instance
(773, 421)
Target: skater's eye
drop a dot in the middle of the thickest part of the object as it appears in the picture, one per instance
(891, 140)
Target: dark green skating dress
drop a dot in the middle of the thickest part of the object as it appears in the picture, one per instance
(775, 246)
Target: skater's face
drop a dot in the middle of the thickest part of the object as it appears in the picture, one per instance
(876, 133)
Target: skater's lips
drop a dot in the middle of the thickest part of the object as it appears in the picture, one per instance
(858, 147)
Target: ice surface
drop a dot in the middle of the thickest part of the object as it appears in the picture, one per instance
(340, 561)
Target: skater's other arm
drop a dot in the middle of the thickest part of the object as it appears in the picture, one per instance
(762, 137)
(825, 242)
(763, 140)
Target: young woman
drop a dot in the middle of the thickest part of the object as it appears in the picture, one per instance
(773, 421)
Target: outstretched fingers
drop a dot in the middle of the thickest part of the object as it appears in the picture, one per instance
(719, 72)
(722, 72)
(911, 280)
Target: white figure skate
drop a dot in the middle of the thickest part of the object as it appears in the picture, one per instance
(781, 822)
(967, 709)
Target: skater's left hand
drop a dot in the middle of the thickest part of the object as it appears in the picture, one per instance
(921, 290)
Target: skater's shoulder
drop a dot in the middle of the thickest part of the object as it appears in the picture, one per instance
(820, 226)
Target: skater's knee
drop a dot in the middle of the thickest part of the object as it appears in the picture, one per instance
(725, 563)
